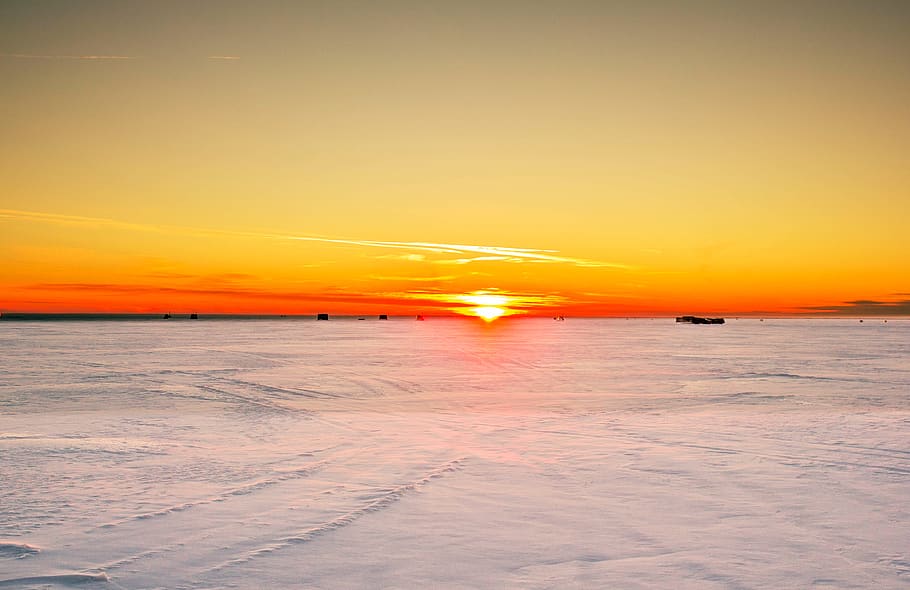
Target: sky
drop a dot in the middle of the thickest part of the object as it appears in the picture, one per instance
(576, 158)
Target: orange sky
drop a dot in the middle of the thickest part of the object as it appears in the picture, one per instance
(582, 158)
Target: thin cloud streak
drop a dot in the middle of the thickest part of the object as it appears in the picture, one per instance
(415, 279)
(36, 216)
(78, 220)
(66, 57)
(326, 296)
(98, 57)
(477, 259)
(428, 298)
(500, 253)
(408, 257)
(864, 307)
(487, 253)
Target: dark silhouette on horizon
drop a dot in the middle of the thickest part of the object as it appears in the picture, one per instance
(691, 319)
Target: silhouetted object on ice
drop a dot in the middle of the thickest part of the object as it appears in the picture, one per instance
(419, 318)
(559, 318)
(383, 316)
(166, 316)
(194, 316)
(322, 316)
(691, 319)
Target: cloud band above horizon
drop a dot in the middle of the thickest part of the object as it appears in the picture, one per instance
(487, 253)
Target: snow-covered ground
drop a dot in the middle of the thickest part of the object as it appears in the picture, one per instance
(454, 454)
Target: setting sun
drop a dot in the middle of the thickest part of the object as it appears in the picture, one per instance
(486, 305)
(484, 299)
(488, 313)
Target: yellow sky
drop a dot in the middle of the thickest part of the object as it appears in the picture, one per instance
(642, 158)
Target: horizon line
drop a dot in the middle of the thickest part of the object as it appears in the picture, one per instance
(87, 315)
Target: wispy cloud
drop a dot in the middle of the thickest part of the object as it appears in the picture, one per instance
(218, 294)
(477, 259)
(70, 57)
(414, 279)
(103, 222)
(55, 218)
(423, 298)
(408, 257)
(95, 57)
(867, 307)
(599, 297)
(486, 253)
(169, 276)
(489, 253)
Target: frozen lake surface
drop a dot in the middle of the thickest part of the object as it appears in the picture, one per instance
(453, 454)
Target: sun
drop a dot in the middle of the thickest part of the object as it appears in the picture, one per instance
(489, 306)
(486, 304)
(488, 313)
(484, 299)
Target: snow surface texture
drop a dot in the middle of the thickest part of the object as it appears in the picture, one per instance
(451, 454)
